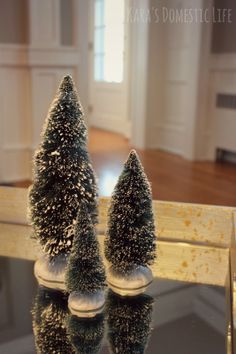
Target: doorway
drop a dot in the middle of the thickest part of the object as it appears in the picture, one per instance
(108, 66)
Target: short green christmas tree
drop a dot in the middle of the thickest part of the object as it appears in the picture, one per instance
(130, 240)
(63, 175)
(85, 272)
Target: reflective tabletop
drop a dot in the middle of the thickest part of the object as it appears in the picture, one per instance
(173, 317)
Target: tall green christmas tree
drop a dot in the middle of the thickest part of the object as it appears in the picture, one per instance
(130, 240)
(85, 271)
(63, 175)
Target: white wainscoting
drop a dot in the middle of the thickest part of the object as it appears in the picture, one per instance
(30, 75)
(14, 114)
(29, 80)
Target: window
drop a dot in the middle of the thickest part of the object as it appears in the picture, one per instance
(109, 40)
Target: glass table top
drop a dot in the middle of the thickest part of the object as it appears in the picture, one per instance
(172, 318)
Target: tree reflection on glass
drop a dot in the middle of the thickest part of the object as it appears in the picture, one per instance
(129, 323)
(86, 334)
(49, 322)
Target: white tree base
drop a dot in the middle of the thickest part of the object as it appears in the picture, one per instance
(51, 274)
(86, 305)
(132, 284)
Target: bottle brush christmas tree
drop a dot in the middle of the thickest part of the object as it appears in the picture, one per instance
(129, 323)
(85, 274)
(63, 180)
(130, 243)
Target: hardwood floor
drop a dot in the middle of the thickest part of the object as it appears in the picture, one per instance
(172, 177)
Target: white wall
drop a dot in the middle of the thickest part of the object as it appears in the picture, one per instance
(221, 121)
(175, 81)
(222, 80)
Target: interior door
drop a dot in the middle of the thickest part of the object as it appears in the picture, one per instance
(108, 83)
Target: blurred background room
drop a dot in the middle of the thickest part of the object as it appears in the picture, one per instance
(159, 76)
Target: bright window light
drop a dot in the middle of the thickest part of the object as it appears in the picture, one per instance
(109, 40)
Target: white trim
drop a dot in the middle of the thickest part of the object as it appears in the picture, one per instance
(31, 61)
(13, 55)
(203, 136)
(194, 57)
(62, 57)
(138, 92)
